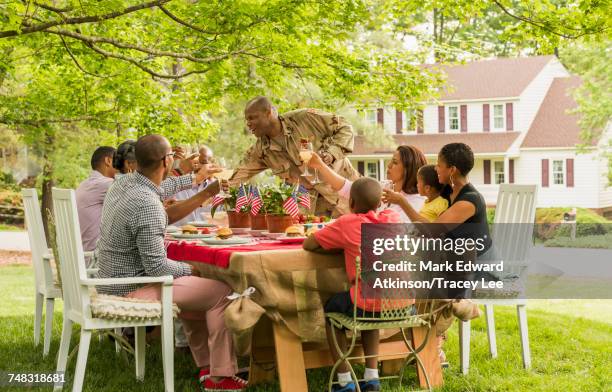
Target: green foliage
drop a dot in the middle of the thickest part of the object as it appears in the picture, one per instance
(229, 203)
(593, 241)
(274, 196)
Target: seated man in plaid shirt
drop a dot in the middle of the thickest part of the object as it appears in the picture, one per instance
(132, 244)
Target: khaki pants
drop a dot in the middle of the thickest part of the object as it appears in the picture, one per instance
(202, 303)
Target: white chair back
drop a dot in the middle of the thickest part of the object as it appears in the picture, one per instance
(70, 249)
(36, 235)
(513, 225)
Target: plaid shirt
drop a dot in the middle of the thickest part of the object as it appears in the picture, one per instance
(132, 232)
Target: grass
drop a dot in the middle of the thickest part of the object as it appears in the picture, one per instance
(5, 227)
(571, 344)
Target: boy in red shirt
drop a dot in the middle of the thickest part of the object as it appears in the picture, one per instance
(345, 234)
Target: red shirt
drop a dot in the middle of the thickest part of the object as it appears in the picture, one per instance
(345, 233)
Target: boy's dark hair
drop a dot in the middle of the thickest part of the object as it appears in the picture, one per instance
(125, 152)
(459, 155)
(99, 154)
(430, 177)
(365, 194)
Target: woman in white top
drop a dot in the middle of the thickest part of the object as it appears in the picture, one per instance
(401, 174)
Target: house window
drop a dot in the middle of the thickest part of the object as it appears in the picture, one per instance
(371, 116)
(453, 118)
(372, 169)
(498, 116)
(498, 172)
(558, 172)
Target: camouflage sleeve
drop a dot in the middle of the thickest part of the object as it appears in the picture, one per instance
(339, 137)
(250, 165)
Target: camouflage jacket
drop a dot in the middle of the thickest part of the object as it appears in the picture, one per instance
(327, 132)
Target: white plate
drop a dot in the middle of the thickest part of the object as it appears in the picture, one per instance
(258, 233)
(172, 229)
(291, 240)
(229, 241)
(240, 230)
(272, 235)
(201, 224)
(192, 236)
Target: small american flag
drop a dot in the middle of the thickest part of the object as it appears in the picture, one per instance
(256, 201)
(291, 207)
(303, 197)
(242, 199)
(217, 200)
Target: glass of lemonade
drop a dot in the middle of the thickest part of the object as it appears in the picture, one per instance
(224, 174)
(305, 155)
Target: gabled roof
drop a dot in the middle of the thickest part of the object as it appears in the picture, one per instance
(553, 126)
(480, 142)
(497, 78)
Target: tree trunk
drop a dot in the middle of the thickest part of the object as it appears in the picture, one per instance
(47, 184)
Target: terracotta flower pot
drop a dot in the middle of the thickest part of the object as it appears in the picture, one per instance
(239, 219)
(278, 223)
(259, 222)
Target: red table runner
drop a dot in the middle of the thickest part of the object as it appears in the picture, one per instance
(185, 251)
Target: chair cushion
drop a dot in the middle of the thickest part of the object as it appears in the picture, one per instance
(121, 308)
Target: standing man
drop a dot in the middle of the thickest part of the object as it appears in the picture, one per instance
(278, 144)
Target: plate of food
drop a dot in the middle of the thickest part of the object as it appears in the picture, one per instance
(191, 232)
(225, 236)
(201, 224)
(172, 229)
(293, 234)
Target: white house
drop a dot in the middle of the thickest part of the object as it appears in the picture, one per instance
(513, 112)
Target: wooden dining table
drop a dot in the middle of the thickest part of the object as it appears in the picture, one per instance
(292, 285)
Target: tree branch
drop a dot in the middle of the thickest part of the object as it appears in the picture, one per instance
(138, 63)
(153, 52)
(53, 9)
(28, 29)
(546, 28)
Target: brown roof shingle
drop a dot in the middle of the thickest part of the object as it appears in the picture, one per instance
(481, 143)
(553, 126)
(497, 78)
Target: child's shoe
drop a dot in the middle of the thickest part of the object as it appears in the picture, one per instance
(370, 385)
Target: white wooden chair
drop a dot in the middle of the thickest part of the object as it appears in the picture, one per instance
(84, 306)
(46, 289)
(515, 204)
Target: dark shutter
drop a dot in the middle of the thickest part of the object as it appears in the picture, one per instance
(419, 121)
(509, 117)
(441, 119)
(398, 122)
(487, 171)
(361, 167)
(380, 117)
(511, 171)
(463, 118)
(569, 171)
(544, 173)
(486, 122)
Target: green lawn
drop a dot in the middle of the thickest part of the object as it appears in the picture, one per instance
(571, 343)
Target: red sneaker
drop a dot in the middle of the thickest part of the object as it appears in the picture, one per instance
(231, 384)
(204, 374)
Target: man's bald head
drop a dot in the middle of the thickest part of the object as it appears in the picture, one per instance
(365, 195)
(260, 104)
(150, 151)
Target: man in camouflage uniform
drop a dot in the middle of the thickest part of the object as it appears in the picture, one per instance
(278, 144)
